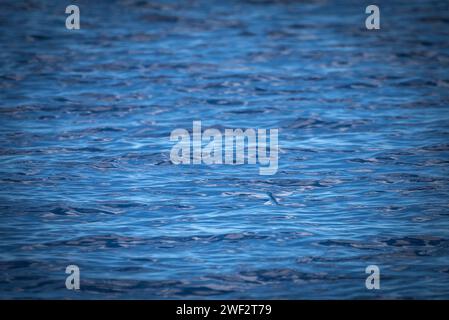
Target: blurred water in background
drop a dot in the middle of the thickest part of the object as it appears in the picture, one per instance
(86, 179)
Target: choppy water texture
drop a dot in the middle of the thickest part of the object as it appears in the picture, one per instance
(86, 177)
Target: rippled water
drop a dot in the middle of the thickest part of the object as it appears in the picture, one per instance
(86, 178)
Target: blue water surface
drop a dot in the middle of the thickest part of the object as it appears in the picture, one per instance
(85, 170)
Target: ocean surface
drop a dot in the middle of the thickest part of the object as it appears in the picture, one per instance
(85, 170)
